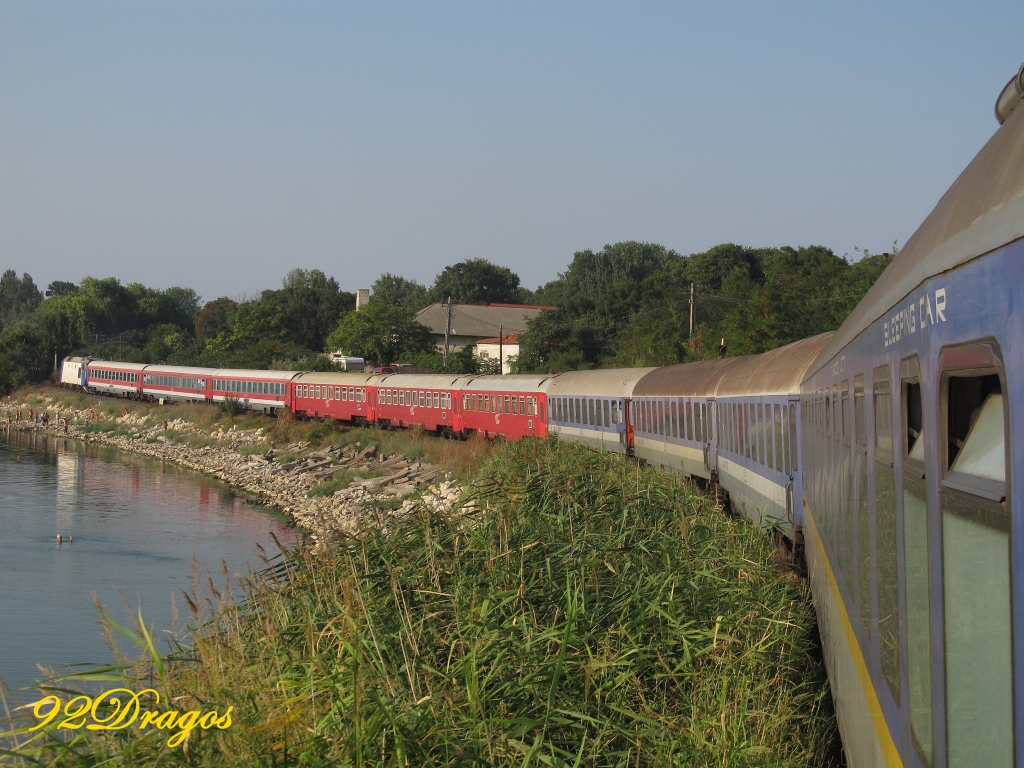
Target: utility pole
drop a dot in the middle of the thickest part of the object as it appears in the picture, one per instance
(691, 310)
(501, 349)
(447, 332)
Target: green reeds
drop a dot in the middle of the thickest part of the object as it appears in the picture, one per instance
(586, 612)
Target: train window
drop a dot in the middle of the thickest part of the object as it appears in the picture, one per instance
(846, 488)
(688, 419)
(607, 413)
(976, 558)
(737, 429)
(698, 422)
(915, 549)
(775, 436)
(505, 410)
(862, 525)
(881, 563)
(733, 428)
(436, 400)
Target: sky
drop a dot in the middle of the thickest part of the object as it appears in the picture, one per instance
(218, 145)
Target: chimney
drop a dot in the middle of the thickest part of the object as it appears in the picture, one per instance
(362, 297)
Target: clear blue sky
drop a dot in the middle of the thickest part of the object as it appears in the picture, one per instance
(218, 145)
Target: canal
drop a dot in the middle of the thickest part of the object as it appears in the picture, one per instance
(138, 527)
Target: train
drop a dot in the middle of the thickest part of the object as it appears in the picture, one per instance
(882, 453)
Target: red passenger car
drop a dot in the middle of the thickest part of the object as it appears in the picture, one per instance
(264, 391)
(512, 407)
(342, 396)
(118, 379)
(176, 384)
(427, 400)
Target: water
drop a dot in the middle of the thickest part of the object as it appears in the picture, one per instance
(137, 525)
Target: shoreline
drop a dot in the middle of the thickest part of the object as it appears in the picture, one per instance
(259, 478)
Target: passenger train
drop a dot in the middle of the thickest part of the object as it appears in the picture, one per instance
(883, 451)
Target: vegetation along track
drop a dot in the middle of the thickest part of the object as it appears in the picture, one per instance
(588, 611)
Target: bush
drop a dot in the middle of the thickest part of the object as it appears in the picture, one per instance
(232, 407)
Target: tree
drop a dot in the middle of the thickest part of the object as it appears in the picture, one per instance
(60, 288)
(380, 332)
(214, 318)
(476, 281)
(18, 298)
(399, 292)
(311, 305)
(22, 350)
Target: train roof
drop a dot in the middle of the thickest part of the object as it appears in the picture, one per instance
(605, 382)
(515, 382)
(185, 369)
(777, 372)
(334, 377)
(243, 373)
(422, 380)
(982, 210)
(696, 379)
(101, 364)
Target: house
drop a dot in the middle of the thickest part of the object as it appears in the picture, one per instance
(473, 322)
(499, 349)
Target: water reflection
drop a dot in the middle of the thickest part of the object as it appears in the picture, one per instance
(137, 524)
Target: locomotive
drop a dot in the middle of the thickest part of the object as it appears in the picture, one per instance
(882, 451)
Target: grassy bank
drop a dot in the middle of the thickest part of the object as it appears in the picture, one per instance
(588, 613)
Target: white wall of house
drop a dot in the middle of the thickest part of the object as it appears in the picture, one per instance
(492, 352)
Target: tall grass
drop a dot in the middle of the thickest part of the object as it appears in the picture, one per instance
(588, 612)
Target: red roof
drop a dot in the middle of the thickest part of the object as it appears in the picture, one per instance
(508, 338)
(522, 306)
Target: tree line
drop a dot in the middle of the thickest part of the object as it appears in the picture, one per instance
(624, 306)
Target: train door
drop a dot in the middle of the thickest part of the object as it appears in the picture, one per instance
(627, 410)
(710, 462)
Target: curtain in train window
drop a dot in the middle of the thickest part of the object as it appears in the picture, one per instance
(885, 516)
(976, 571)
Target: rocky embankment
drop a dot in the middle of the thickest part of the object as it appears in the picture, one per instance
(379, 486)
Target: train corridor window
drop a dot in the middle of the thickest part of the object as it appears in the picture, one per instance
(846, 488)
(886, 535)
(774, 416)
(755, 435)
(607, 413)
(976, 559)
(737, 428)
(910, 441)
(734, 433)
(744, 424)
(863, 559)
(698, 419)
(688, 419)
